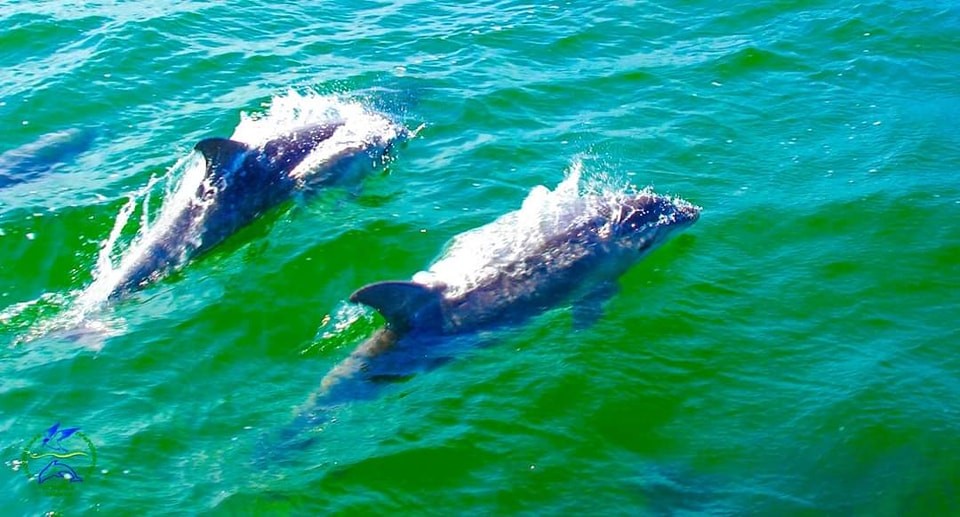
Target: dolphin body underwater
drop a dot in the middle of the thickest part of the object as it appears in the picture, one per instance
(243, 181)
(44, 155)
(560, 246)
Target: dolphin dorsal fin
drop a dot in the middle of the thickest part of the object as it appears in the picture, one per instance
(221, 152)
(405, 305)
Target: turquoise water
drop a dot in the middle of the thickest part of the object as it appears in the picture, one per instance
(791, 353)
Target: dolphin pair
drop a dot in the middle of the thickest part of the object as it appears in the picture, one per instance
(559, 246)
(242, 181)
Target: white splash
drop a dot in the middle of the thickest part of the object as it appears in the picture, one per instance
(191, 170)
(361, 127)
(479, 254)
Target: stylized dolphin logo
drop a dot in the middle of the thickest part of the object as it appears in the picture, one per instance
(52, 446)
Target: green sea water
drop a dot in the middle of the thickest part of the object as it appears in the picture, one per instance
(792, 353)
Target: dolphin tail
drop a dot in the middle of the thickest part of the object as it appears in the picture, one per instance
(293, 439)
(405, 305)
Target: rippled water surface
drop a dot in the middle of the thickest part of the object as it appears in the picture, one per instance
(794, 352)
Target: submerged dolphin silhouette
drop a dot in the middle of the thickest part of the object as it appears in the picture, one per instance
(43, 155)
(242, 182)
(578, 253)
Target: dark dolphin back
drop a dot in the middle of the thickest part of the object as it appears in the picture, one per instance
(250, 181)
(243, 187)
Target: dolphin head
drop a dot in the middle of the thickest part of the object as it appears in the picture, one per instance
(644, 220)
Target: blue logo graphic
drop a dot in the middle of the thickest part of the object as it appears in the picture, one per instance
(60, 453)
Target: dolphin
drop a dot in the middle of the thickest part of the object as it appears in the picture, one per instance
(58, 469)
(559, 246)
(43, 155)
(241, 182)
